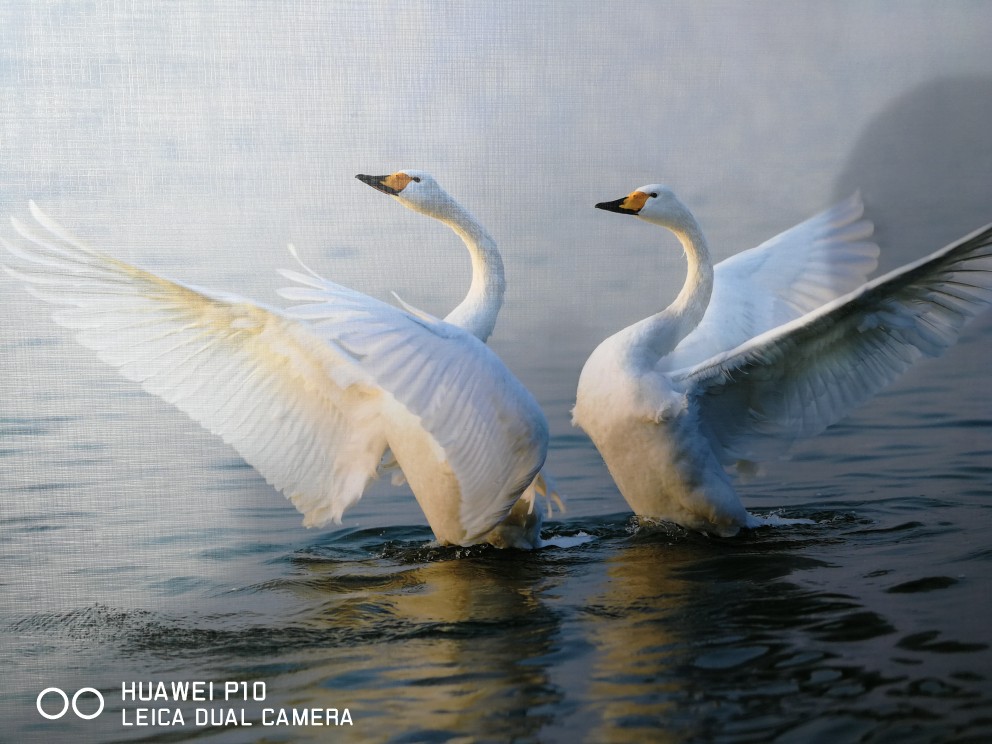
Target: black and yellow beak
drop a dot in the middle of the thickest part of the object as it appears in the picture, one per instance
(630, 204)
(392, 184)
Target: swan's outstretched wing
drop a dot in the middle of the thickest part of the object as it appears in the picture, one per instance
(785, 277)
(305, 419)
(307, 408)
(493, 433)
(796, 380)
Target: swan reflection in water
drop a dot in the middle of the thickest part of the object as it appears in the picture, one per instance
(454, 643)
(700, 639)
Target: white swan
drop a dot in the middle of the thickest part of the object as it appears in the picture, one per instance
(740, 364)
(476, 313)
(310, 396)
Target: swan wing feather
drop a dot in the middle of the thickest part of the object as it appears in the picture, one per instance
(305, 418)
(793, 381)
(488, 425)
(785, 277)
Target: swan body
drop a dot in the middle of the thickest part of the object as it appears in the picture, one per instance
(313, 395)
(476, 314)
(767, 347)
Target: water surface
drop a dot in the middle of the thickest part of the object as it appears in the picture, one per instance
(869, 624)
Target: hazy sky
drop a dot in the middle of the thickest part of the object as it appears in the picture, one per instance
(199, 138)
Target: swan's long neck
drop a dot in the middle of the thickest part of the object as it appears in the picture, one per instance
(658, 335)
(477, 312)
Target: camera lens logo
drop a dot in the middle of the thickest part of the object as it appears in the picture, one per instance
(58, 693)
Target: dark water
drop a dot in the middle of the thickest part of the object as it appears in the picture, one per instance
(161, 558)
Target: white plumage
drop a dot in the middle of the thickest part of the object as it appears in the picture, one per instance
(477, 314)
(772, 345)
(310, 396)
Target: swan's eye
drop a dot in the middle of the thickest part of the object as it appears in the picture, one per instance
(416, 179)
(653, 194)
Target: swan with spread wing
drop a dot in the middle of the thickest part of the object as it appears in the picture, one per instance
(313, 395)
(476, 313)
(769, 346)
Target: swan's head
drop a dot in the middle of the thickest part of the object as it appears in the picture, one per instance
(414, 189)
(655, 203)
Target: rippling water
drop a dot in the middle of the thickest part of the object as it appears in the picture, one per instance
(177, 563)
